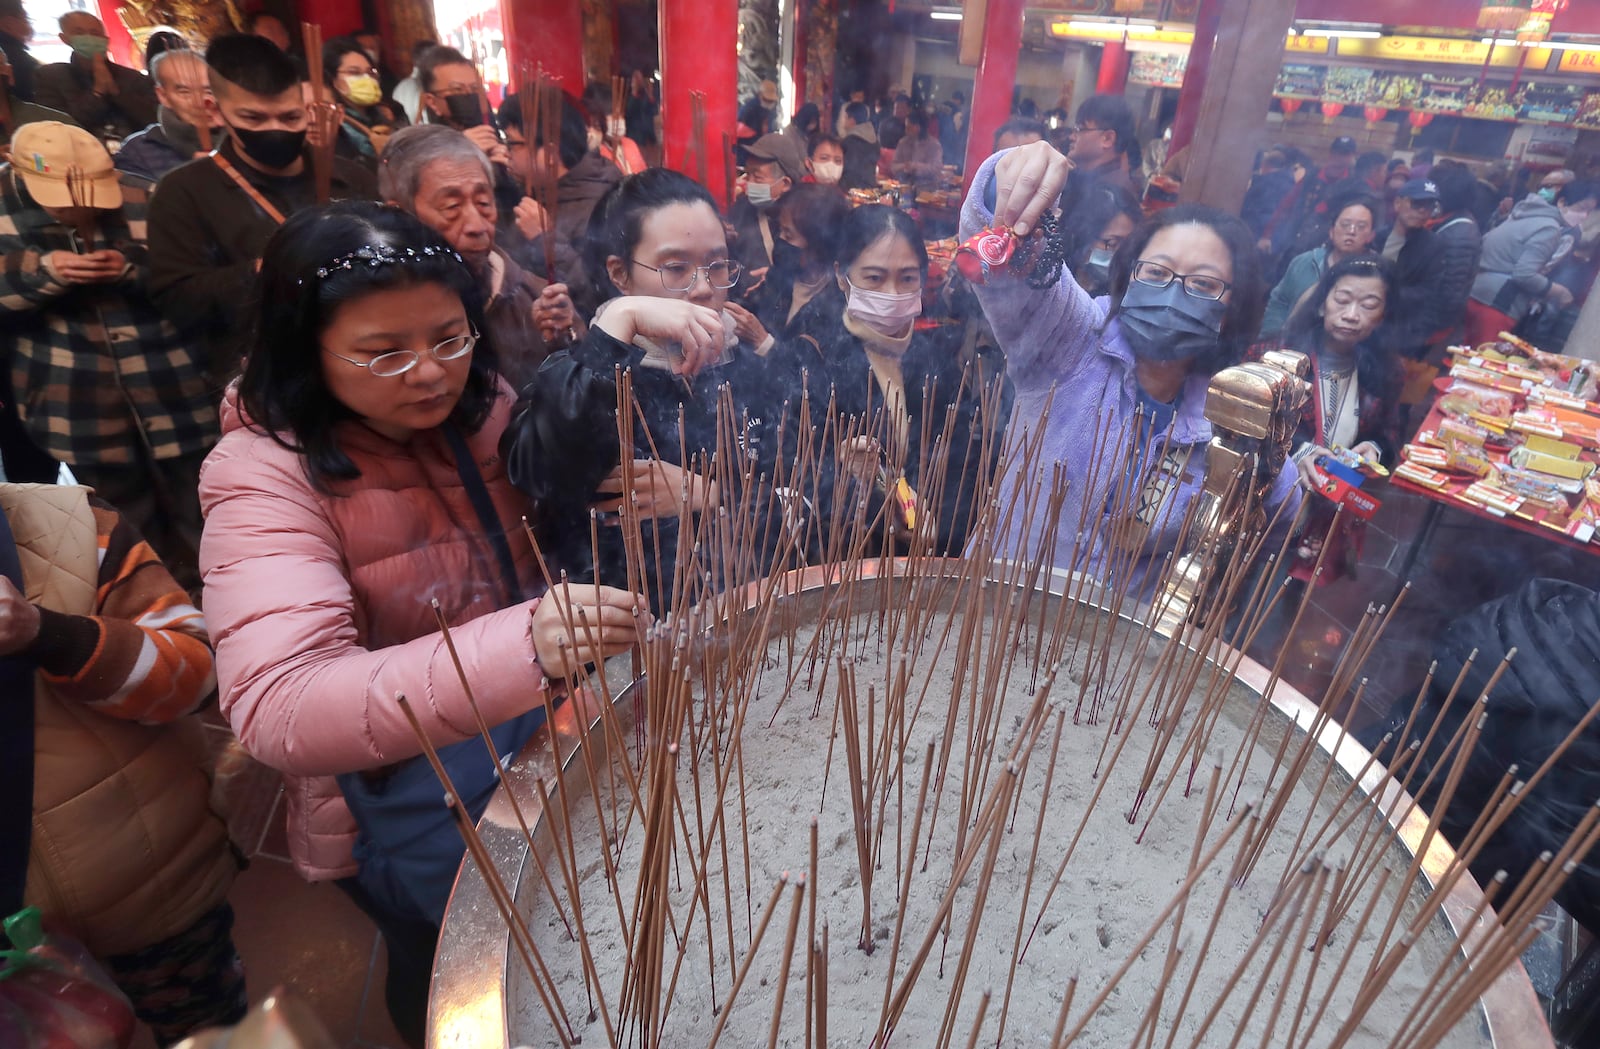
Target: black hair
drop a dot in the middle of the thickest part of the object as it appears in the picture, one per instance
(1110, 113)
(282, 390)
(420, 48)
(1423, 156)
(1369, 162)
(818, 213)
(252, 64)
(597, 100)
(574, 142)
(1088, 206)
(868, 224)
(1377, 366)
(1457, 185)
(435, 57)
(617, 223)
(1274, 160)
(1019, 127)
(919, 118)
(858, 112)
(333, 53)
(807, 116)
(1582, 189)
(822, 140)
(1028, 109)
(1301, 329)
(1242, 320)
(162, 42)
(1338, 206)
(1398, 164)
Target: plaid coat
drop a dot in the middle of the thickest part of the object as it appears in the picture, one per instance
(96, 369)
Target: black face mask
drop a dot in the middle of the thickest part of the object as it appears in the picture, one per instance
(465, 111)
(273, 149)
(786, 256)
(1169, 324)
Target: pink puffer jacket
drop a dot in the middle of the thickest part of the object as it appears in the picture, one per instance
(318, 608)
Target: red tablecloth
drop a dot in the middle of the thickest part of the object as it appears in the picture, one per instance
(1524, 520)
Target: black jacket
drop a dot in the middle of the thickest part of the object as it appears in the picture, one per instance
(751, 247)
(936, 380)
(69, 87)
(1434, 273)
(206, 236)
(563, 442)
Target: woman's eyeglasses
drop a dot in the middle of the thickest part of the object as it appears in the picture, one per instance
(680, 276)
(1200, 285)
(398, 362)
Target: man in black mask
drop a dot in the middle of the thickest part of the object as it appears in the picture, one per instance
(214, 215)
(452, 94)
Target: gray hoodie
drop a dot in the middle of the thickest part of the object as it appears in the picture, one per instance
(1515, 254)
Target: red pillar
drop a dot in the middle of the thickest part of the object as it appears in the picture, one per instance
(121, 46)
(546, 33)
(1195, 73)
(1114, 62)
(994, 79)
(699, 41)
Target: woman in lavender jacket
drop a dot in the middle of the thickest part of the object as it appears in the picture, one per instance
(1185, 301)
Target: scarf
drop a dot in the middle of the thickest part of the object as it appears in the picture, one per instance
(181, 134)
(886, 356)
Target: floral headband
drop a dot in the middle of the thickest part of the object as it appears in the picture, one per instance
(375, 255)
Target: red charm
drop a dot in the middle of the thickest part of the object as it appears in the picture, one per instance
(986, 255)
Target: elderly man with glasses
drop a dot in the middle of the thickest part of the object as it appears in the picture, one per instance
(439, 175)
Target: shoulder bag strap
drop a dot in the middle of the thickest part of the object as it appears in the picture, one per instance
(250, 191)
(483, 506)
(16, 749)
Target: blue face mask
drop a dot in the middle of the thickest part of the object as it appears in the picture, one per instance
(1095, 273)
(1549, 194)
(1169, 324)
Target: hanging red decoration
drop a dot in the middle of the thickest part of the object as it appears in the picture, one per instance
(1419, 119)
(1290, 106)
(1331, 110)
(1503, 15)
(1374, 114)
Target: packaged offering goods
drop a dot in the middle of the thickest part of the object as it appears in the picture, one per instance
(1465, 400)
(1515, 432)
(1422, 475)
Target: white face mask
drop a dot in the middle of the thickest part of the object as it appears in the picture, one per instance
(885, 312)
(829, 173)
(758, 193)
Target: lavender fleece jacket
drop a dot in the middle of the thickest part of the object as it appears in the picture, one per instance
(1061, 351)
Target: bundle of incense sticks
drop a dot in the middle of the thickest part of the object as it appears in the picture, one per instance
(542, 102)
(929, 757)
(698, 145)
(619, 118)
(326, 115)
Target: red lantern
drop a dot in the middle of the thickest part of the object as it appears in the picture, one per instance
(1419, 119)
(1331, 110)
(1374, 114)
(1290, 106)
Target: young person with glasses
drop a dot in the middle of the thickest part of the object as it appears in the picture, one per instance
(1184, 302)
(1354, 225)
(358, 479)
(659, 251)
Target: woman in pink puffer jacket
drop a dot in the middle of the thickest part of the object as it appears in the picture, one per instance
(358, 477)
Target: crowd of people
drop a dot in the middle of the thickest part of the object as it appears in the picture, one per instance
(311, 402)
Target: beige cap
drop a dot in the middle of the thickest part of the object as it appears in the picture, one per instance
(42, 154)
